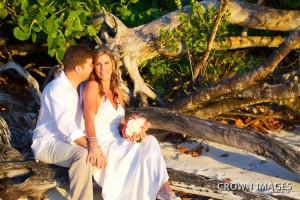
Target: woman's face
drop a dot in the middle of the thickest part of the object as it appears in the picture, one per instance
(103, 67)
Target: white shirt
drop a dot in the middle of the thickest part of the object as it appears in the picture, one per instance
(61, 115)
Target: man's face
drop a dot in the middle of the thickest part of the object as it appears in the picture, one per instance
(87, 68)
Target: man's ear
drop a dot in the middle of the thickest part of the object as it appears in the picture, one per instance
(77, 69)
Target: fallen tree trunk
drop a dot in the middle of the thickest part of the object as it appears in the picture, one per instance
(238, 82)
(23, 178)
(242, 138)
(36, 178)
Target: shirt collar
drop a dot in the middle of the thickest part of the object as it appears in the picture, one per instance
(63, 77)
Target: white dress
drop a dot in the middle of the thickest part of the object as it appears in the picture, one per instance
(135, 171)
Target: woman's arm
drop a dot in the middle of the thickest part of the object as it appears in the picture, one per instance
(91, 101)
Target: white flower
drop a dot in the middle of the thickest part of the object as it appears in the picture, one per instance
(134, 126)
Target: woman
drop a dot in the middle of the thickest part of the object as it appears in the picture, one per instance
(125, 170)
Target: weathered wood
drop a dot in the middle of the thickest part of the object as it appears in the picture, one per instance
(139, 43)
(4, 132)
(197, 184)
(32, 83)
(238, 82)
(21, 178)
(282, 94)
(242, 138)
(33, 179)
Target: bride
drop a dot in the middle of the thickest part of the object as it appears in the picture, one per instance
(125, 170)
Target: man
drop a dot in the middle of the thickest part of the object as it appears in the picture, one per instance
(58, 137)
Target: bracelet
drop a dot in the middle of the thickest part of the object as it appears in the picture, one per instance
(98, 147)
(92, 139)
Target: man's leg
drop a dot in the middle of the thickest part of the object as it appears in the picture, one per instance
(80, 172)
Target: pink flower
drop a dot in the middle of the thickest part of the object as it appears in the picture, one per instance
(135, 128)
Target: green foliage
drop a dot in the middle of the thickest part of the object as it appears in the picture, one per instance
(63, 22)
(194, 34)
(194, 31)
(168, 77)
(58, 22)
(137, 12)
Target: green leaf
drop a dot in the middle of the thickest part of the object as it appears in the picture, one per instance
(36, 28)
(40, 18)
(24, 4)
(33, 36)
(22, 20)
(77, 26)
(152, 70)
(126, 12)
(72, 41)
(91, 30)
(60, 53)
(50, 41)
(50, 25)
(44, 10)
(42, 2)
(160, 70)
(51, 52)
(3, 13)
(61, 41)
(68, 31)
(21, 34)
(82, 18)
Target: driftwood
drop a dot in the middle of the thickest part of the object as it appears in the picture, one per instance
(242, 138)
(140, 43)
(238, 83)
(26, 178)
(33, 179)
(32, 83)
(20, 176)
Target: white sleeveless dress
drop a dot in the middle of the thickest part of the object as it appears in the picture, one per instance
(135, 171)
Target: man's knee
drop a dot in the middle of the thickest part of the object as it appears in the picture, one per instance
(80, 155)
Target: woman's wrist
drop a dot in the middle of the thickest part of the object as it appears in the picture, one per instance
(92, 144)
(92, 138)
(92, 148)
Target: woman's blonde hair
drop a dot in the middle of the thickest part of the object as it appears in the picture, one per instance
(114, 81)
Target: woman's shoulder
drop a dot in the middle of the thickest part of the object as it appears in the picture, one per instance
(92, 84)
(91, 87)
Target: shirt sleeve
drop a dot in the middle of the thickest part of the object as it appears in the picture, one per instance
(64, 107)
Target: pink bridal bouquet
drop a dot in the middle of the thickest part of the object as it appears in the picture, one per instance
(135, 128)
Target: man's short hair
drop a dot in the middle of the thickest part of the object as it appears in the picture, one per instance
(76, 55)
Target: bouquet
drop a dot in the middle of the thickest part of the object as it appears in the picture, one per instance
(135, 128)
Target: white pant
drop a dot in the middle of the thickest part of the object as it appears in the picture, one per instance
(74, 157)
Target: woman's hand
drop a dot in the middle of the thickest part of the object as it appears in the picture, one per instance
(97, 157)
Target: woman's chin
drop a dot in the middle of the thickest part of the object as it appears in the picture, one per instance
(105, 78)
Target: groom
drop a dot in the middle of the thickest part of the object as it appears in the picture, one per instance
(58, 137)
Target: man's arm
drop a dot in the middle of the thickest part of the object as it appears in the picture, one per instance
(81, 141)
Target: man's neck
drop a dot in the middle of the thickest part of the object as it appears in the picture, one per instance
(73, 80)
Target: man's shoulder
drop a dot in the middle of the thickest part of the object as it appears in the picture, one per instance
(56, 84)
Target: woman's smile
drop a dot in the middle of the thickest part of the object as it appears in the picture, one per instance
(103, 67)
